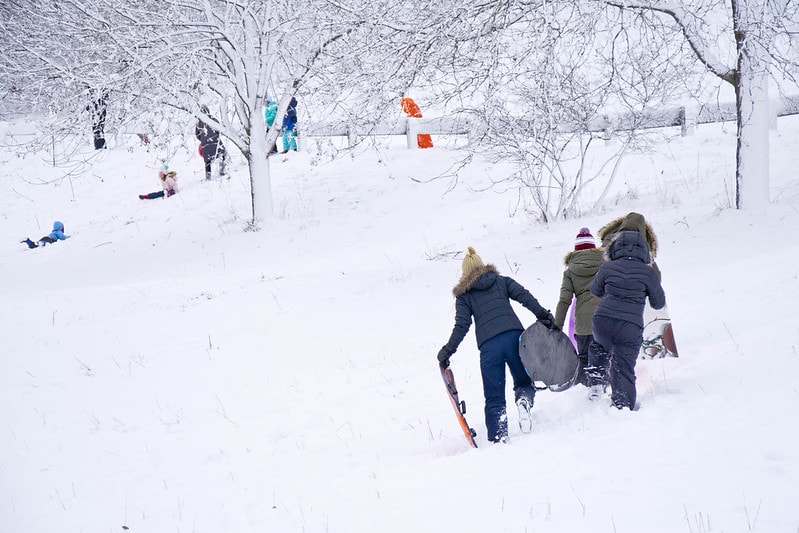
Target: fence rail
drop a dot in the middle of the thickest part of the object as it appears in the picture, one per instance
(684, 117)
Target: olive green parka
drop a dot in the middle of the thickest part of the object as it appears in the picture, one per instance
(581, 266)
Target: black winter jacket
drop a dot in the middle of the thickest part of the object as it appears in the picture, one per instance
(626, 280)
(485, 295)
(209, 140)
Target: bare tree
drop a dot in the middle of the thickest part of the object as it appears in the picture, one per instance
(53, 74)
(234, 53)
(535, 79)
(758, 38)
(173, 56)
(523, 69)
(534, 76)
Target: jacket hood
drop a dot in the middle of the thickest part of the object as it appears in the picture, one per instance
(629, 244)
(585, 262)
(58, 226)
(631, 222)
(480, 278)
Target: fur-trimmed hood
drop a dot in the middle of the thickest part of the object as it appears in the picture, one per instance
(474, 279)
(631, 222)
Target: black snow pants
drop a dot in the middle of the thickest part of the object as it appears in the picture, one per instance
(622, 341)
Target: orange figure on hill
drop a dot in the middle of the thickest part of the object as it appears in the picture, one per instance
(412, 110)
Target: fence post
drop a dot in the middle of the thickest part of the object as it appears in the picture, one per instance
(411, 128)
(686, 122)
(607, 130)
(352, 136)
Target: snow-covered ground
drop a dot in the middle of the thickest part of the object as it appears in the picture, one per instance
(164, 370)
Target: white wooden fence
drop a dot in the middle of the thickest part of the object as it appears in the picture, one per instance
(681, 116)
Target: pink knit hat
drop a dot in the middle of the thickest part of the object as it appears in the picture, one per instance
(584, 240)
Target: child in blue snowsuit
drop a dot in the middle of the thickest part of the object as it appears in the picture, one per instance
(56, 235)
(623, 283)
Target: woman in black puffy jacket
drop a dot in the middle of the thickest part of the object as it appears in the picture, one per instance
(484, 294)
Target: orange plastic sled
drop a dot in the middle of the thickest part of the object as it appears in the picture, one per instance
(412, 110)
(459, 406)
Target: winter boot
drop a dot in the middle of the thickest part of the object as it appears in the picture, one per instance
(525, 418)
(501, 429)
(207, 175)
(498, 427)
(582, 377)
(597, 382)
(596, 392)
(30, 243)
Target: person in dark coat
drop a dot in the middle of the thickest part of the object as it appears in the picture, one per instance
(623, 282)
(211, 147)
(484, 294)
(98, 110)
(581, 266)
(290, 127)
(632, 221)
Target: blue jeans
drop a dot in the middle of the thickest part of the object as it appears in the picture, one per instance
(495, 353)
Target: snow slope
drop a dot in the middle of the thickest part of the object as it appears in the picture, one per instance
(164, 370)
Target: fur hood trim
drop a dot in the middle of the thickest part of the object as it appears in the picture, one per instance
(629, 222)
(467, 281)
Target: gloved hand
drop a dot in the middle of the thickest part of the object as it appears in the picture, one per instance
(443, 357)
(549, 322)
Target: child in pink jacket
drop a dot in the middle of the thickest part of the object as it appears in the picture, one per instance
(169, 181)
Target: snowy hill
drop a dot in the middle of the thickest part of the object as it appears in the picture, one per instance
(163, 370)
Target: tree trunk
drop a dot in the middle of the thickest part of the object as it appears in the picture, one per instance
(261, 185)
(260, 172)
(752, 153)
(752, 108)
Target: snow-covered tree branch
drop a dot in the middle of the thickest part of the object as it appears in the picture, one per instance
(750, 29)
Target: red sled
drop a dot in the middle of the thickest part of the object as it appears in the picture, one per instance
(458, 405)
